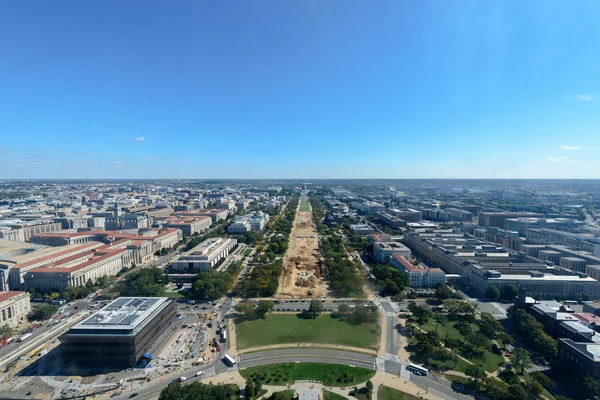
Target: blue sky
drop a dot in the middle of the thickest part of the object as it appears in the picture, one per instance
(299, 89)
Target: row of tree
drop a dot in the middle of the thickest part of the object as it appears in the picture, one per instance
(342, 272)
(532, 333)
(147, 282)
(263, 280)
(212, 284)
(198, 391)
(390, 280)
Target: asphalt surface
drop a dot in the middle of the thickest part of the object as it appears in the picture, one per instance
(303, 354)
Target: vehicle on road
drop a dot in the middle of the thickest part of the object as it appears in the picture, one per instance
(132, 395)
(182, 379)
(199, 373)
(24, 337)
(227, 359)
(417, 370)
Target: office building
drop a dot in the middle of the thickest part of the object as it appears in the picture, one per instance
(119, 335)
(573, 263)
(502, 237)
(190, 226)
(13, 268)
(14, 307)
(361, 229)
(481, 264)
(419, 276)
(408, 215)
(215, 214)
(205, 256)
(496, 219)
(576, 241)
(23, 231)
(77, 270)
(391, 220)
(383, 250)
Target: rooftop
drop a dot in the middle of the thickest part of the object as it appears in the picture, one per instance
(124, 313)
(7, 295)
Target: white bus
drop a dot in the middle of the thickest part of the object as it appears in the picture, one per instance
(24, 337)
(417, 370)
(227, 359)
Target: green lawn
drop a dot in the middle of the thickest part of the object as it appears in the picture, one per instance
(491, 361)
(286, 328)
(174, 295)
(288, 373)
(387, 393)
(332, 396)
(304, 205)
(247, 252)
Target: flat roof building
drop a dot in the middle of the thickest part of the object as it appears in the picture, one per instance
(205, 256)
(418, 275)
(119, 334)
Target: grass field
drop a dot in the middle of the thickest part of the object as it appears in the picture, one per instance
(247, 252)
(304, 204)
(175, 295)
(491, 361)
(285, 328)
(332, 396)
(288, 373)
(387, 393)
(289, 394)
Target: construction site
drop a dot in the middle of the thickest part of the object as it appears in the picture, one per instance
(302, 276)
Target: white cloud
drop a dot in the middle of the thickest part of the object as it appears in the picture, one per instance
(140, 139)
(561, 159)
(584, 97)
(571, 147)
(117, 162)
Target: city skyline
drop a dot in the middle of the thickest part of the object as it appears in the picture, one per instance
(306, 90)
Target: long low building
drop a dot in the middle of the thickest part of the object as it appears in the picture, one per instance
(205, 256)
(482, 264)
(14, 307)
(76, 270)
(13, 269)
(120, 334)
(189, 226)
(251, 222)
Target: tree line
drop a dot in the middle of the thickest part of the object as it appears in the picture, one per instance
(340, 270)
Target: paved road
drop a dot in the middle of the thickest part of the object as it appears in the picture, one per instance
(438, 385)
(305, 354)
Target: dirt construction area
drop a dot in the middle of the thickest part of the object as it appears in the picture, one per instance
(302, 263)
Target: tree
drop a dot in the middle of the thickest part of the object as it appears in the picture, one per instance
(42, 312)
(517, 392)
(420, 314)
(344, 309)
(279, 396)
(475, 372)
(246, 309)
(5, 331)
(479, 340)
(249, 392)
(443, 292)
(263, 308)
(488, 326)
(439, 319)
(315, 308)
(520, 359)
(510, 292)
(492, 293)
(369, 386)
